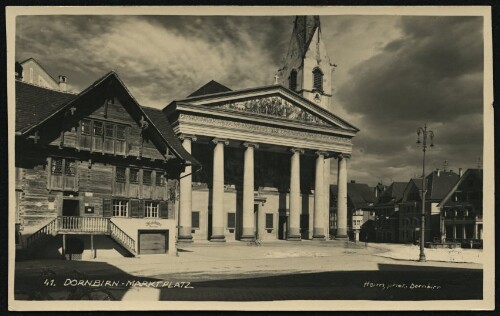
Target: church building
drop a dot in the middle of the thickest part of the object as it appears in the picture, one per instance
(265, 152)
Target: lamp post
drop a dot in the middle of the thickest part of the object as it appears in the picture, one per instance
(425, 133)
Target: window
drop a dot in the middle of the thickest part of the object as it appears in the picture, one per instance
(151, 209)
(120, 175)
(120, 208)
(70, 168)
(146, 177)
(134, 176)
(292, 80)
(231, 220)
(120, 132)
(195, 220)
(97, 128)
(62, 174)
(317, 79)
(269, 221)
(109, 130)
(57, 166)
(160, 179)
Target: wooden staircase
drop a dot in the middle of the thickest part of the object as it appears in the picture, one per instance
(81, 226)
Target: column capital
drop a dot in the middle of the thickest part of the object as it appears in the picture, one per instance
(250, 144)
(220, 140)
(341, 156)
(187, 136)
(321, 153)
(296, 150)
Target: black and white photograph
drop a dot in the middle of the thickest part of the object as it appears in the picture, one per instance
(250, 158)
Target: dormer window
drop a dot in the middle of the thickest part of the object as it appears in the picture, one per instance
(317, 80)
(292, 80)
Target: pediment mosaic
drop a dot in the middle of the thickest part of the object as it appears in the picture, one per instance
(276, 107)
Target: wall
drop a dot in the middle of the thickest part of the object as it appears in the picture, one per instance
(274, 203)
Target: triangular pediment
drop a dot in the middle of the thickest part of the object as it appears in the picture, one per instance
(274, 106)
(274, 103)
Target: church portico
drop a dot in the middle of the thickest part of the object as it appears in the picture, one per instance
(265, 171)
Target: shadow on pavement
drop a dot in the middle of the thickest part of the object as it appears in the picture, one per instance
(391, 282)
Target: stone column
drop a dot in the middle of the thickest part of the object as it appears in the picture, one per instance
(454, 232)
(475, 231)
(248, 193)
(218, 191)
(464, 232)
(295, 201)
(342, 196)
(185, 192)
(319, 203)
(326, 198)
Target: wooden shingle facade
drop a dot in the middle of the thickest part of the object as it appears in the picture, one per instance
(94, 163)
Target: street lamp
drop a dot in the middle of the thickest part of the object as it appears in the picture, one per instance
(425, 133)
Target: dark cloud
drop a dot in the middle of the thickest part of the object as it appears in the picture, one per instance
(397, 73)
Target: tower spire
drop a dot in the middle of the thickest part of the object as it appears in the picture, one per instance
(307, 70)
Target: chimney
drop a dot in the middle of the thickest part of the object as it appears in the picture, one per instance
(62, 83)
(438, 172)
(460, 172)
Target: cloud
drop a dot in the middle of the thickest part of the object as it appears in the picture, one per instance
(159, 58)
(394, 73)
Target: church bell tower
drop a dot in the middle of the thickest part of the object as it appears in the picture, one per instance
(307, 69)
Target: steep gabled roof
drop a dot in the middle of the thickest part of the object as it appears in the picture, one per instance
(34, 104)
(394, 192)
(359, 194)
(439, 185)
(210, 88)
(468, 174)
(304, 29)
(103, 86)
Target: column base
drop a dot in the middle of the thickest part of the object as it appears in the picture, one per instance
(247, 238)
(342, 237)
(318, 237)
(218, 238)
(294, 238)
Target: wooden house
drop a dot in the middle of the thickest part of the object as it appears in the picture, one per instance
(94, 170)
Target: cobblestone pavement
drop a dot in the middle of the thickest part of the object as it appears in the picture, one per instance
(304, 270)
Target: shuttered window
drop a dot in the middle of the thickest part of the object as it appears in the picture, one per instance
(195, 220)
(164, 209)
(317, 79)
(107, 208)
(231, 220)
(269, 221)
(146, 177)
(120, 175)
(134, 175)
(136, 208)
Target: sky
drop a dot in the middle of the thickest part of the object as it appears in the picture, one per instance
(394, 73)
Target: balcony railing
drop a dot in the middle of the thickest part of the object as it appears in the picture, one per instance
(76, 224)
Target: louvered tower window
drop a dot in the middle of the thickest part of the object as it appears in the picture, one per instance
(317, 79)
(292, 80)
